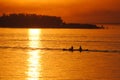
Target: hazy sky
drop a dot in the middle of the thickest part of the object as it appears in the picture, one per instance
(82, 11)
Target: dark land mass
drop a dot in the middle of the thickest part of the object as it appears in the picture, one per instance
(39, 21)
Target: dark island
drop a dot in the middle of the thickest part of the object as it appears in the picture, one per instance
(39, 21)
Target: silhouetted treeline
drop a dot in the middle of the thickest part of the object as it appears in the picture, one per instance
(24, 20)
(38, 21)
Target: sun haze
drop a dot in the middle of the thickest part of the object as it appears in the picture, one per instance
(82, 11)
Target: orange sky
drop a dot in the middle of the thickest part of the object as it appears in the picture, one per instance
(82, 11)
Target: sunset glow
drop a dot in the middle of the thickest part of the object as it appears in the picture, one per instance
(59, 39)
(82, 11)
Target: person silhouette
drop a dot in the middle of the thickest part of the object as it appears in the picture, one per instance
(80, 49)
(71, 49)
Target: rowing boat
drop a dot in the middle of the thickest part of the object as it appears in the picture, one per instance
(75, 50)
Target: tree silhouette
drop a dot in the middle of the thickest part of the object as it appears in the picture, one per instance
(38, 21)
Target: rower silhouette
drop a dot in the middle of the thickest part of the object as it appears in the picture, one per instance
(71, 49)
(80, 49)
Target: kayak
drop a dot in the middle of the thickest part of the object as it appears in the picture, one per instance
(75, 50)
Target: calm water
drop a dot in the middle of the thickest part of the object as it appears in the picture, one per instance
(35, 54)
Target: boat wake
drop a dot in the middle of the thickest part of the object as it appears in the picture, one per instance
(60, 49)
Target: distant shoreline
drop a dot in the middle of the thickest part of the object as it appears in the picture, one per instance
(50, 28)
(40, 21)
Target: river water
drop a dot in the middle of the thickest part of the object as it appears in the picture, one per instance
(36, 54)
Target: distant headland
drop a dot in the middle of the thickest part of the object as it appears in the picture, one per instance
(39, 21)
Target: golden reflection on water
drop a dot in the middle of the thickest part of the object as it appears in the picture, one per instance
(34, 66)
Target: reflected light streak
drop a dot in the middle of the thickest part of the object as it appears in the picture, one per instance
(34, 66)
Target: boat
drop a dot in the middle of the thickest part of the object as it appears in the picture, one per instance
(74, 50)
